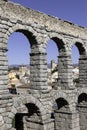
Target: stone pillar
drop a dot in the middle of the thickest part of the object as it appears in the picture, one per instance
(5, 97)
(48, 124)
(3, 70)
(38, 125)
(4, 73)
(65, 120)
(38, 71)
(65, 71)
(82, 71)
(82, 109)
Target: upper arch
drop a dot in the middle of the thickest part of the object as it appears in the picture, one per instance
(80, 45)
(59, 43)
(26, 30)
(80, 48)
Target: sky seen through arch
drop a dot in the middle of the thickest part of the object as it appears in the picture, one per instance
(74, 11)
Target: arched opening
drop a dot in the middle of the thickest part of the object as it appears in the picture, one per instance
(55, 48)
(82, 109)
(19, 45)
(18, 49)
(75, 64)
(30, 120)
(18, 121)
(82, 98)
(34, 115)
(61, 104)
(62, 114)
(52, 62)
(78, 52)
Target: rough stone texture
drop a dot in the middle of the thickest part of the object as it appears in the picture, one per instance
(40, 108)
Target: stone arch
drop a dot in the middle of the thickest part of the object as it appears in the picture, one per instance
(82, 110)
(82, 97)
(61, 102)
(80, 91)
(22, 105)
(61, 113)
(80, 47)
(31, 99)
(26, 30)
(34, 49)
(78, 76)
(62, 63)
(59, 43)
(61, 95)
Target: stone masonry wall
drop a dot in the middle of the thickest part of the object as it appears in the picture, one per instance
(39, 28)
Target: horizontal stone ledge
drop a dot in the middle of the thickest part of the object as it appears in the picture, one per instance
(40, 61)
(4, 82)
(3, 49)
(3, 77)
(38, 78)
(42, 122)
(3, 67)
(3, 87)
(37, 59)
(64, 56)
(43, 65)
(34, 120)
(82, 105)
(63, 112)
(83, 58)
(3, 73)
(6, 97)
(38, 88)
(37, 82)
(38, 72)
(39, 53)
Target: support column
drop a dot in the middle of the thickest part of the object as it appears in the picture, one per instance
(38, 125)
(4, 74)
(48, 125)
(82, 109)
(82, 71)
(5, 97)
(65, 72)
(65, 120)
(38, 71)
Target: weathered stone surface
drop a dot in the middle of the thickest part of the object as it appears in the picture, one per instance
(40, 108)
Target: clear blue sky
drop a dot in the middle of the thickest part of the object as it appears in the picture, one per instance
(70, 10)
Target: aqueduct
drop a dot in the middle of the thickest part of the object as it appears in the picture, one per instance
(42, 109)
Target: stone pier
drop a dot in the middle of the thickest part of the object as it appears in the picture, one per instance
(63, 108)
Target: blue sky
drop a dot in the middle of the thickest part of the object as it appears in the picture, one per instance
(70, 10)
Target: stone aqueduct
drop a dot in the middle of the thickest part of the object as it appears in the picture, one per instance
(40, 109)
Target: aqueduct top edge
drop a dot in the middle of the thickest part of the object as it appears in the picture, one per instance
(15, 11)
